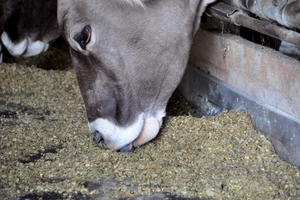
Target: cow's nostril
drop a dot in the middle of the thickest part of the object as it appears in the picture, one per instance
(97, 137)
(101, 141)
(98, 133)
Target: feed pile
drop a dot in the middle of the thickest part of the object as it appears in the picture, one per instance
(46, 148)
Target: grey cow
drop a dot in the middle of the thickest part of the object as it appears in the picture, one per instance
(129, 56)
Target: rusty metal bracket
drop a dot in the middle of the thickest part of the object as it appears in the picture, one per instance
(221, 11)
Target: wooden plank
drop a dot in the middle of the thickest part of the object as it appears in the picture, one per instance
(258, 71)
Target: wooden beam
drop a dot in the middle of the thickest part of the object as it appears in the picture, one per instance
(259, 71)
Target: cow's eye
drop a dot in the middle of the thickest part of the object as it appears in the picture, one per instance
(84, 37)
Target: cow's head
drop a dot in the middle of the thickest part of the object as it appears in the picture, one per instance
(29, 26)
(129, 58)
(2, 22)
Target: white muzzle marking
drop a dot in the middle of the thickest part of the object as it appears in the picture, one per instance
(117, 137)
(25, 48)
(36, 48)
(144, 129)
(151, 128)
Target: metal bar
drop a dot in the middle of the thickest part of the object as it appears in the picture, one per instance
(238, 17)
(284, 12)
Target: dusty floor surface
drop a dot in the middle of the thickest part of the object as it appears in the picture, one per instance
(46, 150)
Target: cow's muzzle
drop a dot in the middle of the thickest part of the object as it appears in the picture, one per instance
(126, 138)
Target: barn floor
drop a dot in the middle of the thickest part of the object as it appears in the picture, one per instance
(47, 152)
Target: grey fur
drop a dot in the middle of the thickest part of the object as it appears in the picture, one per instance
(136, 57)
(135, 2)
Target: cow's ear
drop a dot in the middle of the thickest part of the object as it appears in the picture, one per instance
(84, 37)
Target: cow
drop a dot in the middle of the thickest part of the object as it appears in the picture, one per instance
(129, 56)
(2, 21)
(27, 27)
